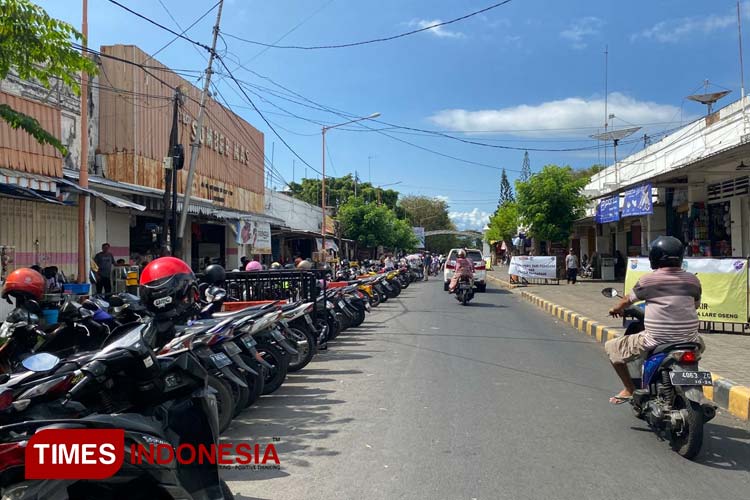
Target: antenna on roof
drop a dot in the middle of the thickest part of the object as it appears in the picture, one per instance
(615, 136)
(708, 98)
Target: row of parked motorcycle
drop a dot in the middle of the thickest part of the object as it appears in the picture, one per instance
(168, 366)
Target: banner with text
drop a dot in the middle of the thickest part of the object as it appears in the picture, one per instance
(255, 234)
(419, 233)
(724, 283)
(638, 201)
(608, 210)
(528, 266)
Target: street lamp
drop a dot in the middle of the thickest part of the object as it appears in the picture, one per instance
(323, 183)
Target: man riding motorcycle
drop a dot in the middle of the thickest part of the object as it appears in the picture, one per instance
(464, 268)
(672, 297)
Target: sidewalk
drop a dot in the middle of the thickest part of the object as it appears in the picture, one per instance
(726, 355)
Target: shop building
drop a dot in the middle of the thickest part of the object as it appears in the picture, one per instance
(693, 184)
(134, 123)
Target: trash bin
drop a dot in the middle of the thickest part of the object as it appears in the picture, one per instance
(608, 269)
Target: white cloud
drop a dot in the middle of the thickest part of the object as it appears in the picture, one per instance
(674, 30)
(439, 31)
(564, 117)
(582, 29)
(476, 219)
(442, 197)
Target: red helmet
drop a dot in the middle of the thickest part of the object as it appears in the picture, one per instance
(168, 287)
(24, 283)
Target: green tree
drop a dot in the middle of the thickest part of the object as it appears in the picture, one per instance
(340, 189)
(587, 173)
(504, 224)
(550, 202)
(431, 214)
(38, 47)
(506, 192)
(371, 225)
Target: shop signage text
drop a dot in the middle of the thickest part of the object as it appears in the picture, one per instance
(215, 140)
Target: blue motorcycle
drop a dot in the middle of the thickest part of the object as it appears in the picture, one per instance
(669, 394)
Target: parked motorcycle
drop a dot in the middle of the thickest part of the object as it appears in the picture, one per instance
(668, 383)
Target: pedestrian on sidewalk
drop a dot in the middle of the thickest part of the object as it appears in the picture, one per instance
(571, 266)
(427, 266)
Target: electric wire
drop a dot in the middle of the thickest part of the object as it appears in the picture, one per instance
(367, 42)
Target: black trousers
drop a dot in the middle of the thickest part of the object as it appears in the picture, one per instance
(104, 285)
(572, 275)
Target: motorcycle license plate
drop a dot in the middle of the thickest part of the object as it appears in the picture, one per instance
(367, 306)
(231, 348)
(690, 378)
(220, 359)
(464, 286)
(249, 342)
(277, 335)
(342, 304)
(309, 321)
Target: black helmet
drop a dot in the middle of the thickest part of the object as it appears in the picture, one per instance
(214, 274)
(666, 251)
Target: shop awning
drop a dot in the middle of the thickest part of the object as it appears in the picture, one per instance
(108, 198)
(29, 186)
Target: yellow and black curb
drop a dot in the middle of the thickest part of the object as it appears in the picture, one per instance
(729, 395)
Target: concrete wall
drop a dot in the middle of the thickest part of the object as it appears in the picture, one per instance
(295, 213)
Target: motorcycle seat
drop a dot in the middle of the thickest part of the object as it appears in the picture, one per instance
(677, 346)
(290, 307)
(131, 422)
(241, 312)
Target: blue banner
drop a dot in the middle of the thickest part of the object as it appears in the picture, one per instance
(608, 210)
(638, 201)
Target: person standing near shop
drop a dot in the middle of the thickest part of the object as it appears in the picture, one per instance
(571, 266)
(105, 261)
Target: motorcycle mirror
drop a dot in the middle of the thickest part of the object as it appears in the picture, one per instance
(41, 362)
(609, 292)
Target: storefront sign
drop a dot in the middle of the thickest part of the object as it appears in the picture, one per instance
(638, 201)
(724, 283)
(255, 234)
(330, 244)
(419, 233)
(528, 266)
(608, 210)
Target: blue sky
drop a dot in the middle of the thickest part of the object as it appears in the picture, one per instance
(529, 74)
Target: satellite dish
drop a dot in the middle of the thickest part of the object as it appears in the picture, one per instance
(615, 135)
(709, 99)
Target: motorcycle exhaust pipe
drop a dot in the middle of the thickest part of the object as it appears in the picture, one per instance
(709, 412)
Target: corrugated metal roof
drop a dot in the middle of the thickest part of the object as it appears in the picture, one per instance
(19, 150)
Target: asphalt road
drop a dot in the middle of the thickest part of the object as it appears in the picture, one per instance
(497, 400)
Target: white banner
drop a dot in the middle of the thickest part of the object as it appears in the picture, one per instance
(255, 234)
(419, 233)
(528, 266)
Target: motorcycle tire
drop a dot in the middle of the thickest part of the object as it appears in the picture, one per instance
(225, 491)
(254, 382)
(280, 362)
(360, 318)
(375, 299)
(396, 288)
(689, 445)
(240, 394)
(224, 401)
(342, 323)
(304, 342)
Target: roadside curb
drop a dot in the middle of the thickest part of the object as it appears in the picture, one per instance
(505, 284)
(729, 395)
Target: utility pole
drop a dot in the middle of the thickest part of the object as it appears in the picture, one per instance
(84, 206)
(195, 146)
(170, 176)
(178, 160)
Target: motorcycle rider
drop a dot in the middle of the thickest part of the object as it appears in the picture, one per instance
(672, 297)
(464, 268)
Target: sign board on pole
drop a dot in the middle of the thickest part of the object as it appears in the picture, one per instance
(255, 234)
(638, 201)
(528, 266)
(419, 233)
(723, 281)
(608, 210)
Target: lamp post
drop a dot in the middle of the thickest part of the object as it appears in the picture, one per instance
(323, 181)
